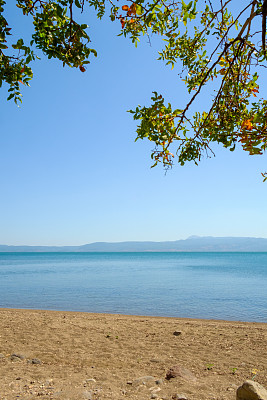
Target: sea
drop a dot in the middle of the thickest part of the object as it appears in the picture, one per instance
(228, 286)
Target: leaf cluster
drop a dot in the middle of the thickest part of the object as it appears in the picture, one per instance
(223, 50)
(211, 45)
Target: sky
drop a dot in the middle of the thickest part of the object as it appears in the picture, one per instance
(72, 172)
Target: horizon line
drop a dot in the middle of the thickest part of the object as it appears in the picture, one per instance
(134, 241)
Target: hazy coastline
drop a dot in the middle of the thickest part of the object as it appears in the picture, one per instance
(191, 244)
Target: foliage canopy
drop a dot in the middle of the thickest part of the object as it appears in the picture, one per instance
(213, 42)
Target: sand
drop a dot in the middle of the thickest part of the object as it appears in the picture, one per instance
(70, 355)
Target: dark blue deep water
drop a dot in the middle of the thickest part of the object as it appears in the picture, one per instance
(231, 286)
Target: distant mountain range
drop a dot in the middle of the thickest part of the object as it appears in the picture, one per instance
(193, 243)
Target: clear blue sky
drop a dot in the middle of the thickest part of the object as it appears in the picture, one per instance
(71, 172)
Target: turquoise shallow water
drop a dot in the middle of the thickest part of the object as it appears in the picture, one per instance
(231, 286)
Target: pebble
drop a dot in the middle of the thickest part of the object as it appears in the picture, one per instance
(90, 380)
(180, 371)
(16, 357)
(230, 389)
(154, 396)
(34, 361)
(178, 396)
(143, 380)
(177, 333)
(155, 389)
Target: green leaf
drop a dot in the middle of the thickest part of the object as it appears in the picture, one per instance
(139, 10)
(11, 96)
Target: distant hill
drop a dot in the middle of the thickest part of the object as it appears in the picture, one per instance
(193, 243)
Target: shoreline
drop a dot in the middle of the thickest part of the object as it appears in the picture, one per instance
(89, 313)
(79, 355)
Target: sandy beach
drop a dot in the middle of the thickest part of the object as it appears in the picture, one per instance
(71, 355)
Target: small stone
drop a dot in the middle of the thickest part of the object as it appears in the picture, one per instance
(34, 361)
(154, 396)
(129, 382)
(90, 380)
(177, 333)
(180, 371)
(143, 380)
(178, 396)
(232, 388)
(251, 390)
(16, 357)
(2, 355)
(155, 389)
(159, 381)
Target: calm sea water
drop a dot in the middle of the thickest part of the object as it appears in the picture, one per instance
(230, 286)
